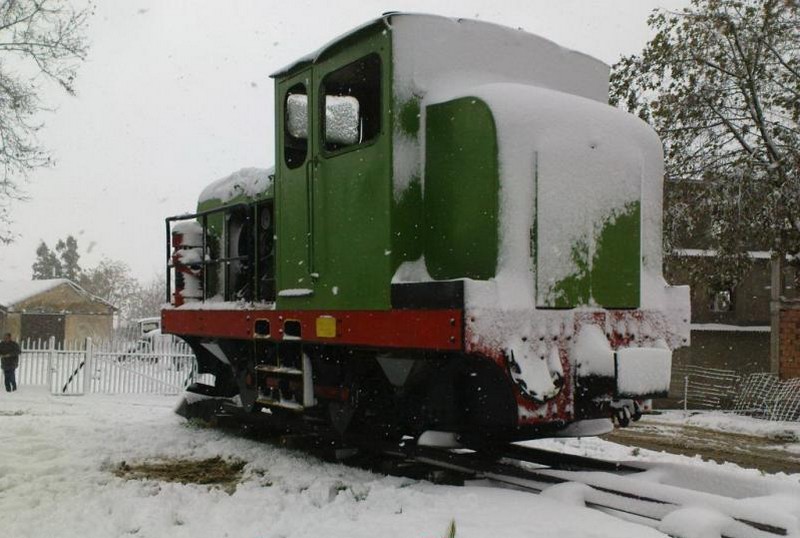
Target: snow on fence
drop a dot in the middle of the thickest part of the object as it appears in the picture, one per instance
(161, 366)
(760, 395)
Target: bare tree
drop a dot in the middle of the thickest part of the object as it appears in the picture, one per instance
(149, 299)
(112, 281)
(720, 82)
(40, 41)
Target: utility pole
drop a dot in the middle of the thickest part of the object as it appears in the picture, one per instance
(774, 313)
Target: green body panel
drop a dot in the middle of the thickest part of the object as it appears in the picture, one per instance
(409, 117)
(617, 260)
(334, 210)
(408, 214)
(611, 278)
(292, 194)
(461, 190)
(408, 219)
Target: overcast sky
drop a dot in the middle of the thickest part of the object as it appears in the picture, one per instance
(176, 94)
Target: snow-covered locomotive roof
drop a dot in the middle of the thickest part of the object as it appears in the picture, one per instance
(249, 182)
(479, 51)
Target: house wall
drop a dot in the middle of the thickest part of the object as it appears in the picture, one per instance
(13, 325)
(42, 326)
(745, 352)
(750, 297)
(742, 351)
(78, 316)
(82, 326)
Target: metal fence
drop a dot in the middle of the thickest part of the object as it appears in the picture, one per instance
(162, 366)
(760, 395)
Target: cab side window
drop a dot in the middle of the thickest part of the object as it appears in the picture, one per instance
(295, 126)
(351, 107)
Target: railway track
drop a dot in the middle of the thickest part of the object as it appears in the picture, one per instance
(667, 497)
(684, 501)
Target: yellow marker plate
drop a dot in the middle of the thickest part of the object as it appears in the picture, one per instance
(326, 327)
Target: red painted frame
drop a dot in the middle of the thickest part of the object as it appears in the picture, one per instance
(411, 329)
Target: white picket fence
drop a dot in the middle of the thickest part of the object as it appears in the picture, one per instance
(164, 366)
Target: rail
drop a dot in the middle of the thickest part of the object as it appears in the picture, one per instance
(630, 491)
(662, 495)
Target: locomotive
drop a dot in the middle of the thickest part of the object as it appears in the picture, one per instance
(460, 240)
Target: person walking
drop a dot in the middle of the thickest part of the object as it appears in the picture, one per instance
(9, 360)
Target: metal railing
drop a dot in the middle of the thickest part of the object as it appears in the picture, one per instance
(207, 260)
(761, 395)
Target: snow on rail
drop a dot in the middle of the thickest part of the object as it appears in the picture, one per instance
(667, 497)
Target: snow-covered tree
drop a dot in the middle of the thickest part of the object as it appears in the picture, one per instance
(720, 82)
(40, 40)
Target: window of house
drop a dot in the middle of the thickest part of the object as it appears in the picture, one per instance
(295, 126)
(721, 301)
(351, 107)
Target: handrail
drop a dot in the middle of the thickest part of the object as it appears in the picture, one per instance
(203, 217)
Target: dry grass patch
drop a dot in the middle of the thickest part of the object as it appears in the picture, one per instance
(213, 472)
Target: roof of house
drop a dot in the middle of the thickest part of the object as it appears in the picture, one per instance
(15, 291)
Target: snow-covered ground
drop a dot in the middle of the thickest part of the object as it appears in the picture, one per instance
(786, 435)
(58, 456)
(731, 423)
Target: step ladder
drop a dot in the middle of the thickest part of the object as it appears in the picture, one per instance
(287, 384)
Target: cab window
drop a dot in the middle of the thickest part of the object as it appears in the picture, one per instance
(351, 113)
(295, 126)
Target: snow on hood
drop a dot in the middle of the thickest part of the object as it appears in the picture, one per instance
(247, 181)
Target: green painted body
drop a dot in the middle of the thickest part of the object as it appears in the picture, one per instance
(333, 211)
(611, 277)
(343, 230)
(462, 186)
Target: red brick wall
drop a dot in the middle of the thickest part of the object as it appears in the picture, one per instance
(789, 343)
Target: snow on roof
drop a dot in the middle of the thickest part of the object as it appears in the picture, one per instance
(489, 34)
(13, 292)
(16, 291)
(247, 181)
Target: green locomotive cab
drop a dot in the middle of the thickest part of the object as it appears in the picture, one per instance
(459, 234)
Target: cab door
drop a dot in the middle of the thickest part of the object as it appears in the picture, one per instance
(352, 178)
(295, 151)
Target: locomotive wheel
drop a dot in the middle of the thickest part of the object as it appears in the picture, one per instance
(369, 410)
(637, 412)
(341, 413)
(623, 416)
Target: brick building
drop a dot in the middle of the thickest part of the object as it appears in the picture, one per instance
(731, 324)
(789, 342)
